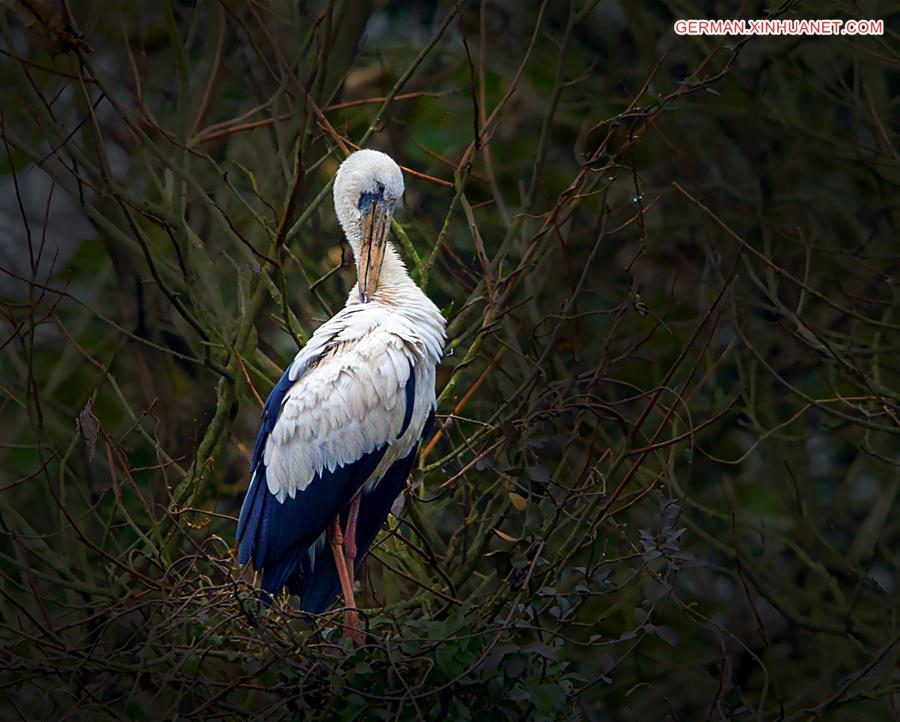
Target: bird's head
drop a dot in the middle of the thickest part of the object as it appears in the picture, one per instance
(366, 190)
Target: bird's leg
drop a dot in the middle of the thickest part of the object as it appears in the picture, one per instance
(350, 536)
(351, 618)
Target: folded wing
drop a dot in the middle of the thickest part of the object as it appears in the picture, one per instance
(319, 583)
(327, 426)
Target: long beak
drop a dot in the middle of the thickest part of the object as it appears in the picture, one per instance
(376, 226)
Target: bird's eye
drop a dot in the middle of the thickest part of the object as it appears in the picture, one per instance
(380, 187)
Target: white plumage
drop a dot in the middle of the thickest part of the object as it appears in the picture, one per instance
(352, 400)
(352, 407)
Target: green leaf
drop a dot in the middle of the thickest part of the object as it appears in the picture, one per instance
(518, 501)
(548, 698)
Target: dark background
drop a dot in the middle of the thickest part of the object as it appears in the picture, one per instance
(665, 479)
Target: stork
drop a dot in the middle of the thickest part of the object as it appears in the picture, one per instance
(341, 429)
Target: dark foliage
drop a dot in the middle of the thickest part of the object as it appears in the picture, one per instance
(664, 474)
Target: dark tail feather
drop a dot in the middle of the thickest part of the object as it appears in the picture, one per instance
(321, 585)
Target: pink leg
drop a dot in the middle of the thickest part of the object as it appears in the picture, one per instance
(351, 617)
(350, 535)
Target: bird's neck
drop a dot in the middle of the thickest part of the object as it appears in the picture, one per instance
(394, 279)
(393, 270)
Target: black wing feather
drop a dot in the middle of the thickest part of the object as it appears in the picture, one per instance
(319, 585)
(277, 536)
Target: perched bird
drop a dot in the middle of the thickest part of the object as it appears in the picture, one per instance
(341, 429)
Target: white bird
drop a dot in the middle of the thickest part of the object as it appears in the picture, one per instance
(341, 429)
